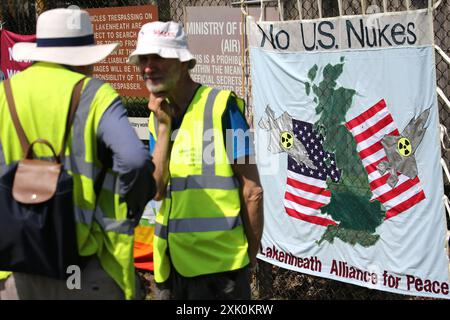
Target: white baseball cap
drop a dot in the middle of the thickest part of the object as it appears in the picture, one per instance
(166, 39)
(64, 36)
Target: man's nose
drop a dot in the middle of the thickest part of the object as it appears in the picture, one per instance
(148, 64)
(151, 65)
(148, 69)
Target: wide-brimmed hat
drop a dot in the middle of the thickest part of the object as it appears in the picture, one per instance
(64, 36)
(166, 39)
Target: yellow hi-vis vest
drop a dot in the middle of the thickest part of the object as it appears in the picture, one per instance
(42, 94)
(199, 224)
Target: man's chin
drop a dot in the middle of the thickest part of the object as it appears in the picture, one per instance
(154, 88)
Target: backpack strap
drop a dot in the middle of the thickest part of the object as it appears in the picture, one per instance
(75, 99)
(12, 109)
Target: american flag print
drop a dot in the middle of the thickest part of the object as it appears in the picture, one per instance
(306, 188)
(368, 129)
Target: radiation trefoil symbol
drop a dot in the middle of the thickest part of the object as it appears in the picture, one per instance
(400, 150)
(282, 138)
(287, 140)
(404, 147)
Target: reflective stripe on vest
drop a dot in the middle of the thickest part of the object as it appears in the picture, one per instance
(168, 194)
(77, 163)
(107, 224)
(208, 169)
(160, 231)
(197, 225)
(204, 224)
(79, 123)
(203, 182)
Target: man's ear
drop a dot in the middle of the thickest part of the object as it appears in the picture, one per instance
(185, 65)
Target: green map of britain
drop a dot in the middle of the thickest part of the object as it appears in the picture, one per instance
(350, 201)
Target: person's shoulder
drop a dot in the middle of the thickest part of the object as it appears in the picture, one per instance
(102, 86)
(98, 81)
(232, 96)
(103, 94)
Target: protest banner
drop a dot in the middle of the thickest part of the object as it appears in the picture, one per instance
(347, 145)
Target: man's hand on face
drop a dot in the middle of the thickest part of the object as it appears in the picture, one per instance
(159, 105)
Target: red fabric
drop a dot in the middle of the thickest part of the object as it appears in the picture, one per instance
(143, 247)
(7, 64)
(143, 256)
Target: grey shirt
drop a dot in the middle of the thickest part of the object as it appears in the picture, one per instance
(120, 149)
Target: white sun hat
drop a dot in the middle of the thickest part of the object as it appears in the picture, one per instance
(166, 39)
(64, 36)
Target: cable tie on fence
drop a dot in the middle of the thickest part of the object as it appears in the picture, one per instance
(437, 4)
(340, 7)
(262, 6)
(444, 134)
(442, 53)
(444, 166)
(446, 204)
(300, 7)
(443, 97)
(280, 10)
(430, 6)
(242, 8)
(319, 6)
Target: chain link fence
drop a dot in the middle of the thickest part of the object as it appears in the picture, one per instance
(269, 282)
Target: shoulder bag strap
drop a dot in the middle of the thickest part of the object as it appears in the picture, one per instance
(12, 109)
(75, 100)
